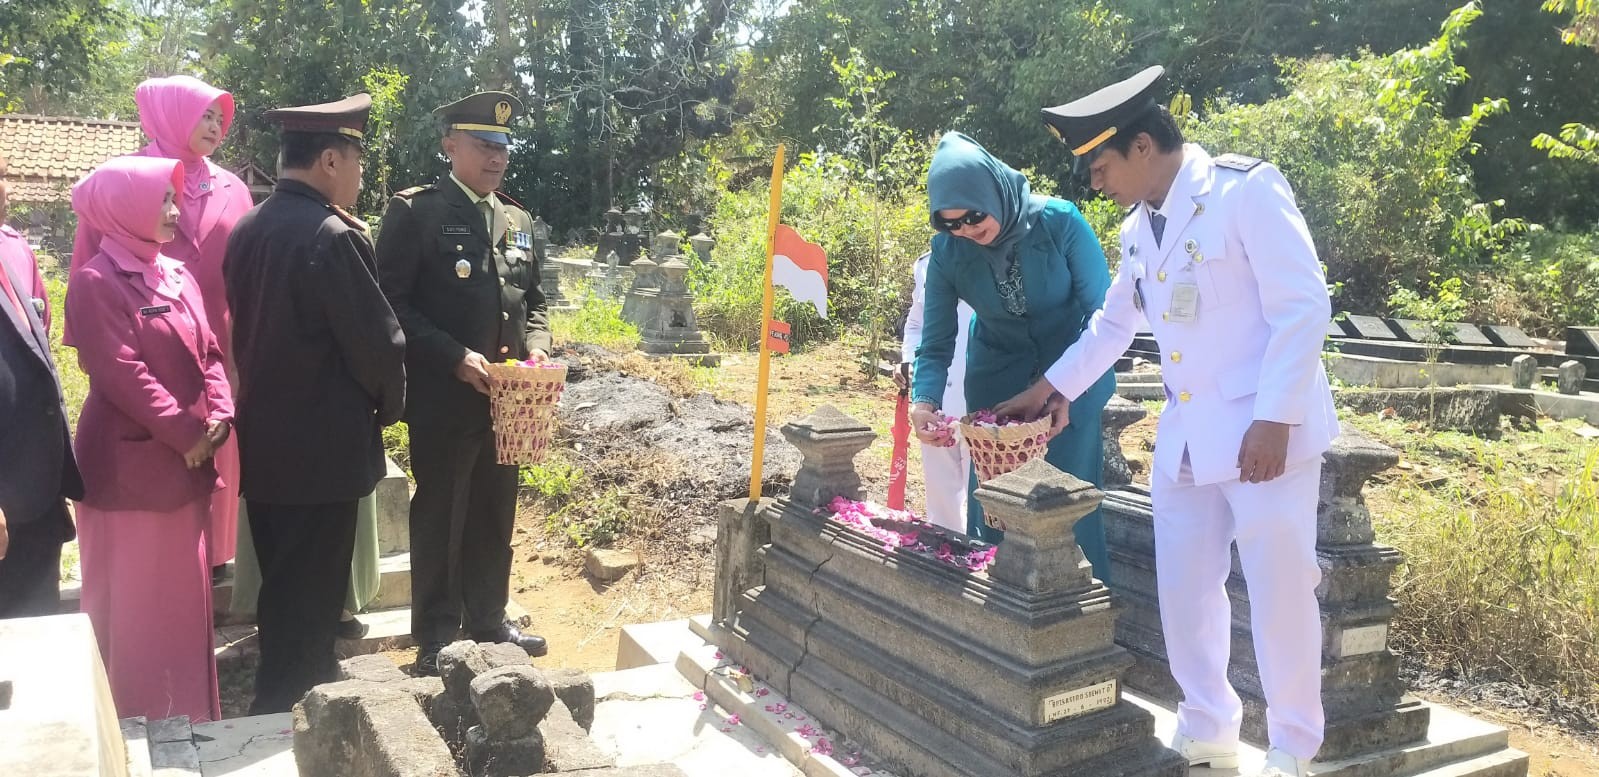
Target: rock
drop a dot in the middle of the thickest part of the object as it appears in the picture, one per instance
(360, 729)
(452, 718)
(610, 565)
(425, 690)
(460, 663)
(511, 700)
(1569, 379)
(575, 689)
(488, 758)
(567, 747)
(1523, 371)
(371, 668)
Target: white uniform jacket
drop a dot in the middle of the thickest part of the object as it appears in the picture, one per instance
(1253, 347)
(955, 387)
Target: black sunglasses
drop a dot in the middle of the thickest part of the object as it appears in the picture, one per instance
(971, 219)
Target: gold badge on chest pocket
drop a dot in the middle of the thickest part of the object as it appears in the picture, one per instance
(463, 269)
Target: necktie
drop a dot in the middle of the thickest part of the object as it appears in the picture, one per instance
(488, 216)
(11, 294)
(1157, 223)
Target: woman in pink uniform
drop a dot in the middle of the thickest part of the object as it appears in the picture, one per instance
(158, 408)
(186, 119)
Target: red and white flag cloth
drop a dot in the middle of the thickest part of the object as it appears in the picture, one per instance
(800, 267)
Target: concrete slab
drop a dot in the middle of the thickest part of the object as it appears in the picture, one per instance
(386, 630)
(701, 626)
(135, 733)
(697, 738)
(394, 582)
(1457, 745)
(661, 681)
(646, 644)
(61, 721)
(259, 746)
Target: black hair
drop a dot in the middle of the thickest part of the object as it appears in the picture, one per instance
(1160, 125)
(301, 149)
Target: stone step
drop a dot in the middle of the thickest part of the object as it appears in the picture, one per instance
(256, 746)
(648, 644)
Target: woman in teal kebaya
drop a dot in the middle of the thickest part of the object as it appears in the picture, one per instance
(1033, 272)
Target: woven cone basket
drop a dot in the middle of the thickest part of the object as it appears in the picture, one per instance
(522, 407)
(997, 450)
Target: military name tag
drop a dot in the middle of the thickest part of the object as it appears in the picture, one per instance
(155, 310)
(457, 229)
(1184, 303)
(463, 269)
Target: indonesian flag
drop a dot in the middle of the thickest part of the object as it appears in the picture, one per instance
(800, 267)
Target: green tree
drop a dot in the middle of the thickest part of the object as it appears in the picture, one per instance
(51, 48)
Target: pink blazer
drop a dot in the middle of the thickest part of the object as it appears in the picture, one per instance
(156, 379)
(201, 253)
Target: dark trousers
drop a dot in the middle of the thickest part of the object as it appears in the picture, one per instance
(304, 552)
(461, 520)
(30, 574)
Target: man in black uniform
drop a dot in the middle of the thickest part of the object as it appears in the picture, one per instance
(456, 260)
(321, 362)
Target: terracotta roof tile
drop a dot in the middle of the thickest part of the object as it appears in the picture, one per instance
(47, 154)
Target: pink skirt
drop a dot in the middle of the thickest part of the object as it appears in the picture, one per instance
(147, 590)
(224, 533)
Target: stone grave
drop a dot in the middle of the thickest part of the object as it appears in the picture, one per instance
(940, 671)
(702, 245)
(1570, 378)
(1367, 328)
(641, 295)
(605, 278)
(1506, 336)
(549, 271)
(1374, 727)
(1582, 340)
(665, 315)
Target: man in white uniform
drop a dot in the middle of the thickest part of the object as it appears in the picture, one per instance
(1217, 259)
(944, 470)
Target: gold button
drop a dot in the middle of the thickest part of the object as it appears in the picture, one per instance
(1161, 276)
(457, 246)
(1185, 396)
(505, 316)
(1165, 316)
(1199, 258)
(502, 281)
(505, 349)
(1176, 357)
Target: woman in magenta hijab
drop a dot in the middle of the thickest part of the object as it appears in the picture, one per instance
(158, 408)
(186, 119)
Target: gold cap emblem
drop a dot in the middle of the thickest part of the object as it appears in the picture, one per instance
(502, 112)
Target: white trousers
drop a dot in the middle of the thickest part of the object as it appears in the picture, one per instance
(945, 471)
(1274, 525)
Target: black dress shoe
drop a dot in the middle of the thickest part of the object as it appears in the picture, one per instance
(511, 635)
(427, 659)
(352, 629)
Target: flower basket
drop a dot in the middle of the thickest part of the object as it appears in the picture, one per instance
(997, 450)
(522, 401)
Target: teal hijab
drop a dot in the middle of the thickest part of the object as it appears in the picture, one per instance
(964, 176)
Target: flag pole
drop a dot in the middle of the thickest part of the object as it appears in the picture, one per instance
(759, 451)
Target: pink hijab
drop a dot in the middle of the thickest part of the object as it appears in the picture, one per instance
(122, 201)
(169, 110)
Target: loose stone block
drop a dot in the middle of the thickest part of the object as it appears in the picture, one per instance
(461, 662)
(486, 757)
(358, 729)
(575, 689)
(373, 668)
(567, 747)
(609, 565)
(1572, 374)
(511, 700)
(1523, 371)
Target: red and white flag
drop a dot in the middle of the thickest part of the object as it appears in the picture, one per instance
(800, 267)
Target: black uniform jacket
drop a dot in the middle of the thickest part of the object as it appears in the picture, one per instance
(320, 355)
(37, 468)
(456, 288)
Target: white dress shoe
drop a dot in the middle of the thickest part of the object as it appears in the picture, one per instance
(1202, 753)
(1281, 764)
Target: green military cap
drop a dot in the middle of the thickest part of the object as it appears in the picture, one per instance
(344, 117)
(1086, 123)
(485, 115)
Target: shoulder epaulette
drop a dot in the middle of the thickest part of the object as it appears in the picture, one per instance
(508, 198)
(414, 191)
(347, 218)
(1237, 162)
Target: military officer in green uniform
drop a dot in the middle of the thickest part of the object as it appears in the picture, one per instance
(457, 263)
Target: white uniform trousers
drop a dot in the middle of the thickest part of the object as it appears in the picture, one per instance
(1274, 525)
(946, 472)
